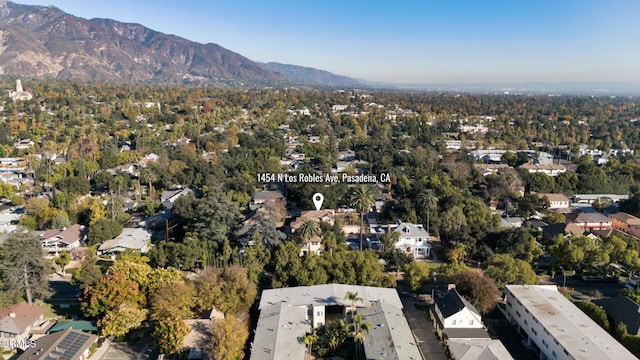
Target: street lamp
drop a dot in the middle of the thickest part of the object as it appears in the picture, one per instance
(564, 278)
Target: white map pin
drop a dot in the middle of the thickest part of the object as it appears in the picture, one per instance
(317, 200)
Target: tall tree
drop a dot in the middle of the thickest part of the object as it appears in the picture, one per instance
(354, 298)
(362, 199)
(23, 267)
(308, 230)
(428, 201)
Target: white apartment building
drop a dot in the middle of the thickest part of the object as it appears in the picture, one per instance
(558, 328)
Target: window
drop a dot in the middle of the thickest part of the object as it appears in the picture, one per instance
(534, 331)
(518, 313)
(554, 354)
(509, 303)
(453, 322)
(319, 313)
(471, 322)
(545, 343)
(526, 322)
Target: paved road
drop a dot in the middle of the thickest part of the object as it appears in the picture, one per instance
(430, 347)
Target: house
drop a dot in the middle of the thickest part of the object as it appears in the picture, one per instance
(488, 169)
(549, 232)
(593, 221)
(626, 223)
(454, 317)
(288, 314)
(69, 344)
(413, 239)
(476, 349)
(556, 201)
(591, 198)
(23, 144)
(261, 197)
(69, 238)
(556, 328)
(131, 238)
(19, 320)
(168, 197)
(323, 215)
(549, 169)
(622, 309)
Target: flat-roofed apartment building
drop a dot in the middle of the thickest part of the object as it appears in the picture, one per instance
(558, 328)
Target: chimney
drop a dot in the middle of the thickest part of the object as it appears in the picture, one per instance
(450, 286)
(12, 314)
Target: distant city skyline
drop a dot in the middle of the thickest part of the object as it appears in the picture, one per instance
(406, 42)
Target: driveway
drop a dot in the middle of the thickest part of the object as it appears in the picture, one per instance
(430, 347)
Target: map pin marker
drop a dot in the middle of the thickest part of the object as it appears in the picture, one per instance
(317, 200)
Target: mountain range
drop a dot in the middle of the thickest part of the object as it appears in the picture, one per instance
(46, 42)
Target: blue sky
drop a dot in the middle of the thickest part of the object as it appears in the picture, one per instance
(406, 41)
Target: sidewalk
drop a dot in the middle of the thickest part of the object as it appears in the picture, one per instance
(101, 350)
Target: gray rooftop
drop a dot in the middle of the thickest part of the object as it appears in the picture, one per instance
(130, 238)
(279, 332)
(390, 336)
(411, 230)
(329, 294)
(478, 349)
(574, 330)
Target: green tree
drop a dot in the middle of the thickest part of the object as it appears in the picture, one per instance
(308, 230)
(23, 267)
(63, 259)
(170, 334)
(103, 229)
(60, 221)
(428, 201)
(362, 199)
(504, 269)
(595, 312)
(309, 340)
(354, 298)
(416, 274)
(90, 272)
(359, 328)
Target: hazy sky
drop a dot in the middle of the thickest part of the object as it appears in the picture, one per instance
(406, 41)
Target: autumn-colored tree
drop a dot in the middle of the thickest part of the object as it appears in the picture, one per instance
(229, 337)
(119, 321)
(480, 290)
(108, 293)
(229, 290)
(173, 301)
(170, 334)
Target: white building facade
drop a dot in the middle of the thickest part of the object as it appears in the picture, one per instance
(558, 328)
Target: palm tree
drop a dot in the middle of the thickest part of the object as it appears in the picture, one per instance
(353, 296)
(360, 328)
(427, 200)
(310, 339)
(389, 239)
(148, 176)
(362, 199)
(308, 230)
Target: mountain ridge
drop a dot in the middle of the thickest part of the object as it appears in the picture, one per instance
(40, 41)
